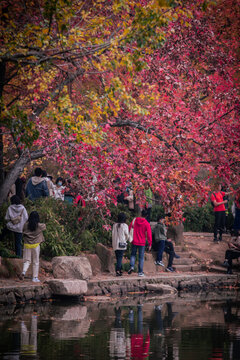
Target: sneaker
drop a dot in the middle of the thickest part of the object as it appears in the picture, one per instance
(118, 273)
(130, 270)
(141, 274)
(170, 269)
(226, 264)
(21, 276)
(35, 279)
(176, 256)
(159, 263)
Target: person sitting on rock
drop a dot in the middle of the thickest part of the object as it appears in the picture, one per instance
(232, 253)
(164, 244)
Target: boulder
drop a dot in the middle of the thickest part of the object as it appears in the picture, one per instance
(162, 289)
(71, 267)
(95, 263)
(107, 258)
(67, 287)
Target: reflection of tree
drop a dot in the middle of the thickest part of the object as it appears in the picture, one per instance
(139, 343)
(29, 338)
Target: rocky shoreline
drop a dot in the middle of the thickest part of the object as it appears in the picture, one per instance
(164, 285)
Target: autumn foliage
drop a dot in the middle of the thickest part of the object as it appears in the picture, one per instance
(143, 91)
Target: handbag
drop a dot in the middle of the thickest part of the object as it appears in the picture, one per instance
(122, 245)
(130, 239)
(16, 220)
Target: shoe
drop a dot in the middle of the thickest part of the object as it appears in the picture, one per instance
(229, 271)
(226, 264)
(170, 269)
(158, 307)
(159, 263)
(176, 256)
(141, 274)
(35, 279)
(21, 276)
(215, 241)
(130, 270)
(118, 273)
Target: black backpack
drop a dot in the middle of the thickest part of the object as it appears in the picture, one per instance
(212, 201)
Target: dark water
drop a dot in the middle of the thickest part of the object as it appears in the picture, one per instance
(189, 327)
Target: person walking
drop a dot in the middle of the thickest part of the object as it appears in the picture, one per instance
(141, 230)
(16, 217)
(37, 186)
(120, 235)
(33, 237)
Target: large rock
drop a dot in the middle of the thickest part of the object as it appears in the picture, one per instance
(67, 287)
(95, 263)
(71, 267)
(107, 258)
(161, 288)
(71, 322)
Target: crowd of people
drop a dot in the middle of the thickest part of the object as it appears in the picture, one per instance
(41, 185)
(29, 228)
(138, 234)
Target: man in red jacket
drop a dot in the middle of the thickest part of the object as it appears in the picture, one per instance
(141, 230)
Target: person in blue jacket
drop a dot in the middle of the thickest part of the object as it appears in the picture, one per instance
(37, 186)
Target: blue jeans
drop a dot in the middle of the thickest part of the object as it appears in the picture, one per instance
(141, 250)
(160, 249)
(18, 243)
(119, 256)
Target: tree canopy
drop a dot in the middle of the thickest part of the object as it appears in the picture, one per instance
(141, 91)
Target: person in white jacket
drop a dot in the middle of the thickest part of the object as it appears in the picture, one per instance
(120, 235)
(16, 217)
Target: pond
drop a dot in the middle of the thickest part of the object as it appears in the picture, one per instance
(185, 327)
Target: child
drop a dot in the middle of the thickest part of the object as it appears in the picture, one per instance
(16, 217)
(120, 234)
(164, 244)
(33, 236)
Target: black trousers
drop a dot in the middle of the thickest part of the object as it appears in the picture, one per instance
(169, 249)
(230, 255)
(219, 225)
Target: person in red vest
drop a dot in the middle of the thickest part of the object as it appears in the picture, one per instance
(219, 212)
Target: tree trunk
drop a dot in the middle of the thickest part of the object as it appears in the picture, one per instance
(176, 233)
(2, 79)
(16, 170)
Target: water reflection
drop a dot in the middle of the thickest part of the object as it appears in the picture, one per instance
(140, 328)
(29, 337)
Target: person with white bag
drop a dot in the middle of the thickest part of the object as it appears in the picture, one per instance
(120, 235)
